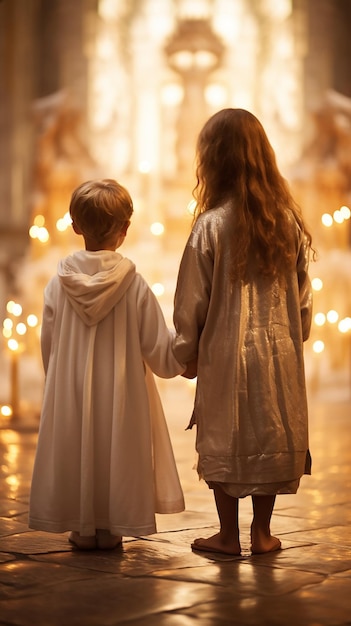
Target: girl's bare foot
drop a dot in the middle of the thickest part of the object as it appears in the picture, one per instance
(261, 539)
(216, 543)
(263, 542)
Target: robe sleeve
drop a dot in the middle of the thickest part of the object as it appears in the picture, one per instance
(167, 488)
(156, 339)
(305, 288)
(191, 302)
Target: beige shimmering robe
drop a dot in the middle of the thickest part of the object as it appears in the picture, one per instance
(250, 405)
(104, 458)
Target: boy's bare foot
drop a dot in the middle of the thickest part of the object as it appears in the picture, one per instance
(106, 541)
(262, 543)
(80, 542)
(215, 543)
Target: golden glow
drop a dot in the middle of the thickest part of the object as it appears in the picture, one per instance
(318, 346)
(105, 48)
(64, 222)
(11, 460)
(332, 316)
(108, 9)
(41, 233)
(111, 94)
(32, 320)
(183, 59)
(157, 229)
(338, 217)
(193, 9)
(39, 221)
(7, 324)
(13, 345)
(216, 95)
(172, 94)
(345, 325)
(280, 10)
(158, 289)
(33, 231)
(60, 225)
(204, 59)
(345, 212)
(21, 328)
(191, 207)
(6, 411)
(227, 25)
(14, 308)
(144, 167)
(317, 284)
(319, 319)
(13, 482)
(327, 220)
(10, 305)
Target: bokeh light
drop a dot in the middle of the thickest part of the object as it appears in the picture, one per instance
(317, 284)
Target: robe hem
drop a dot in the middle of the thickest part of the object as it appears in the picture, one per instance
(170, 507)
(256, 469)
(88, 530)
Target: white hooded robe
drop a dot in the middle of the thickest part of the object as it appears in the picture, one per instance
(104, 457)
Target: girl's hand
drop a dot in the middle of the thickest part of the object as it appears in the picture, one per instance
(191, 369)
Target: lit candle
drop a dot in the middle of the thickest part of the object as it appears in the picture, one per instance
(13, 346)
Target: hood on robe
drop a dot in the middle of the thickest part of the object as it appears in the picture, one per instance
(94, 282)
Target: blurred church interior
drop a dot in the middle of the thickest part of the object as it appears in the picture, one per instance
(120, 89)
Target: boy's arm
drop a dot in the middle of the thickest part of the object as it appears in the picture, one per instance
(156, 339)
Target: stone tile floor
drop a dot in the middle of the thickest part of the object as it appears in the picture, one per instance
(158, 580)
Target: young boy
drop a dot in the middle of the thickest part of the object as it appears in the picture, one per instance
(103, 441)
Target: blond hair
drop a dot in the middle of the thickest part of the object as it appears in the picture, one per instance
(237, 164)
(100, 208)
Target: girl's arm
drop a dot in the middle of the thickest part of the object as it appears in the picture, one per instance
(305, 288)
(191, 302)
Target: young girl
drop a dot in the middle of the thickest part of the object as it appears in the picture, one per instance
(243, 309)
(104, 463)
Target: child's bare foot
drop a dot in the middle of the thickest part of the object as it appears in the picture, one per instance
(261, 539)
(81, 542)
(264, 542)
(215, 543)
(106, 541)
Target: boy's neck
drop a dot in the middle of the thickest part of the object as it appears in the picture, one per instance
(100, 247)
(94, 246)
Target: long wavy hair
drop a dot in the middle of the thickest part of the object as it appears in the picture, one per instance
(235, 163)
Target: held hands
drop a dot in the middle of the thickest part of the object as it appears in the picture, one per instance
(191, 369)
